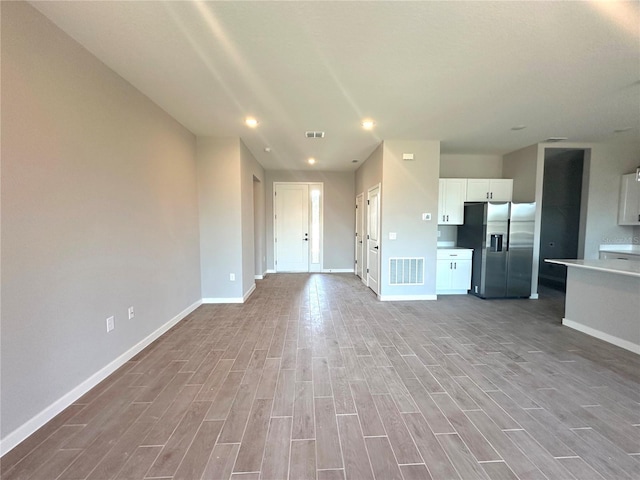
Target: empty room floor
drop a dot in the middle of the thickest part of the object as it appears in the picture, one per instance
(313, 378)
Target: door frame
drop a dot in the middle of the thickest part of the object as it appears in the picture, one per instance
(359, 237)
(379, 187)
(312, 267)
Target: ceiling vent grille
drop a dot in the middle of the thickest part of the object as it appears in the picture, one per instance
(555, 139)
(314, 134)
(406, 271)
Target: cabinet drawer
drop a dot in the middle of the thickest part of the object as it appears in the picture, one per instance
(454, 253)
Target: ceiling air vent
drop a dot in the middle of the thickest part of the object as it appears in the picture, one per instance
(314, 134)
(555, 139)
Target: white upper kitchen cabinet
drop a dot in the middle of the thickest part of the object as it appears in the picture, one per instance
(489, 190)
(451, 201)
(629, 206)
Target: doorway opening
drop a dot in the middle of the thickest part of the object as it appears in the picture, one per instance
(561, 228)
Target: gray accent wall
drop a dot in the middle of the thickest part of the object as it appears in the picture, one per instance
(338, 219)
(99, 213)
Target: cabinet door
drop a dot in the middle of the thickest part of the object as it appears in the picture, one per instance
(629, 206)
(477, 190)
(501, 190)
(443, 275)
(455, 192)
(461, 275)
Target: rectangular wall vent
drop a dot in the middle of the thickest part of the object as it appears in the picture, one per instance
(406, 271)
(314, 134)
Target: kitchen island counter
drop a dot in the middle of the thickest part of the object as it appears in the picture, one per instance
(603, 300)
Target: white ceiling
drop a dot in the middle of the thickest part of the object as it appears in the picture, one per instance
(463, 73)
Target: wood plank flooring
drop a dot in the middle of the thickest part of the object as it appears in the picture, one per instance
(313, 378)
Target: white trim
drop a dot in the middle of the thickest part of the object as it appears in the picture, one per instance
(453, 292)
(258, 277)
(397, 298)
(29, 427)
(211, 300)
(249, 292)
(619, 342)
(269, 271)
(533, 296)
(338, 270)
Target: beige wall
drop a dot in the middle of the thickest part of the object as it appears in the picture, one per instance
(470, 166)
(409, 188)
(220, 217)
(253, 228)
(522, 166)
(338, 219)
(99, 213)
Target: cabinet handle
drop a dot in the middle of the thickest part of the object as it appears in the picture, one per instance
(447, 218)
(491, 195)
(487, 194)
(450, 265)
(455, 265)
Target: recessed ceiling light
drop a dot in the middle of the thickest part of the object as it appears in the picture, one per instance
(354, 161)
(267, 149)
(622, 130)
(368, 124)
(251, 122)
(311, 161)
(518, 127)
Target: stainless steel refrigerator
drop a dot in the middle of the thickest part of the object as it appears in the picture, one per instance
(501, 235)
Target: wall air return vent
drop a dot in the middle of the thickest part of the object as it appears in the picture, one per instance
(406, 271)
(314, 134)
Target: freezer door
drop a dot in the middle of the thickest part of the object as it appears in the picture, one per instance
(520, 249)
(495, 272)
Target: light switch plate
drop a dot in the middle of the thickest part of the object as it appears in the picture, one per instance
(426, 216)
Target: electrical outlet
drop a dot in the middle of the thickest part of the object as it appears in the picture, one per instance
(232, 277)
(111, 323)
(131, 313)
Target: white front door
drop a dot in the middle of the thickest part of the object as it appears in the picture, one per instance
(373, 237)
(291, 227)
(359, 235)
(297, 227)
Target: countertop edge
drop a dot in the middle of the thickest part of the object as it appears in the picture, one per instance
(606, 267)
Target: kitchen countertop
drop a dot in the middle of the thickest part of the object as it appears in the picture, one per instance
(625, 249)
(621, 267)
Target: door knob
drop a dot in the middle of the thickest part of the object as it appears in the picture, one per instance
(376, 247)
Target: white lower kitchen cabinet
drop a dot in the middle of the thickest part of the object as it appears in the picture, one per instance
(453, 271)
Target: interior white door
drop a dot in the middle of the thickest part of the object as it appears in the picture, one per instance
(373, 237)
(291, 227)
(359, 234)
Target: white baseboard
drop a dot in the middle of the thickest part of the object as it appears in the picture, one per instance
(338, 270)
(402, 298)
(619, 342)
(452, 292)
(258, 277)
(533, 296)
(29, 427)
(249, 292)
(271, 271)
(215, 300)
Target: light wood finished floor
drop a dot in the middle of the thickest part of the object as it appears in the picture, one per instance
(313, 378)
